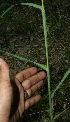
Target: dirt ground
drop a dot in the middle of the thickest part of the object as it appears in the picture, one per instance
(21, 33)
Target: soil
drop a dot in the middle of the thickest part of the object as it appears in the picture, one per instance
(21, 33)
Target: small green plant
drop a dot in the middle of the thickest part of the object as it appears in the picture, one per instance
(42, 66)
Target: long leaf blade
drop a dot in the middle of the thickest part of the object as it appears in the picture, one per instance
(25, 59)
(26, 4)
(7, 10)
(32, 5)
(60, 83)
(60, 114)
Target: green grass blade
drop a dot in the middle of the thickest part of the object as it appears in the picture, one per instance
(60, 114)
(7, 10)
(27, 4)
(45, 29)
(32, 5)
(47, 59)
(24, 59)
(60, 83)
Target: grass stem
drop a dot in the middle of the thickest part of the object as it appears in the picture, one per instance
(48, 71)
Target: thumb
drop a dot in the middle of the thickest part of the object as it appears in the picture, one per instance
(5, 91)
(4, 71)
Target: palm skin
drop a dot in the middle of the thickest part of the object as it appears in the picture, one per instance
(12, 98)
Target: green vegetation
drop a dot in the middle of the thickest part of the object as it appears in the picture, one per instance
(52, 116)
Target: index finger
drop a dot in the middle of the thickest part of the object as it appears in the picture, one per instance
(26, 73)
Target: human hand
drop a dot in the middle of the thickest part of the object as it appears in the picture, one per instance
(12, 94)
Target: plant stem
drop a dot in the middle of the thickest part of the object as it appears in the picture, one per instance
(48, 71)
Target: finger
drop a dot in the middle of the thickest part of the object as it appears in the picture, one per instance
(28, 83)
(4, 71)
(26, 73)
(5, 90)
(32, 101)
(21, 102)
(34, 88)
(21, 97)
